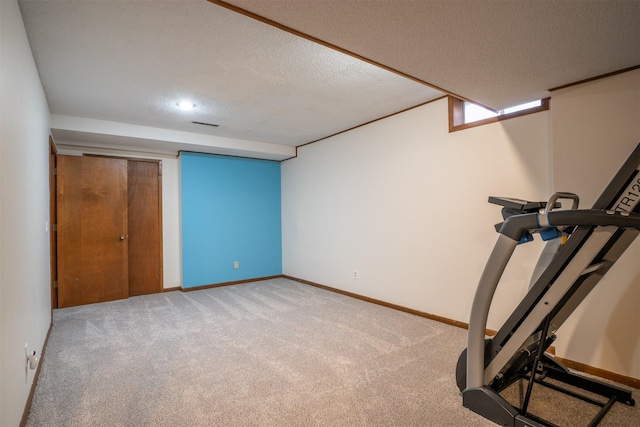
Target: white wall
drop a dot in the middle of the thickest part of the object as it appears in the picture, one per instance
(404, 202)
(172, 273)
(596, 125)
(25, 296)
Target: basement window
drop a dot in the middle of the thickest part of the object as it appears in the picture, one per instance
(465, 114)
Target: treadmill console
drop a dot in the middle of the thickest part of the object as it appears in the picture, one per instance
(512, 206)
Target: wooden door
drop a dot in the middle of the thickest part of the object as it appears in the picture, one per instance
(92, 230)
(145, 227)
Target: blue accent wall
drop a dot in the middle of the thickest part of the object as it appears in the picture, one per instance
(230, 212)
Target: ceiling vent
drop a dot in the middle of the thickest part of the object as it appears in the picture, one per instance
(205, 124)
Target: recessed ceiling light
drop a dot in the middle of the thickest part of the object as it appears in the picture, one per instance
(186, 105)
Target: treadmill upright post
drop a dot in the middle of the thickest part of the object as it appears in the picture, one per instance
(491, 275)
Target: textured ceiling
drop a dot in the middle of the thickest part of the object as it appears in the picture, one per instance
(113, 70)
(131, 61)
(497, 53)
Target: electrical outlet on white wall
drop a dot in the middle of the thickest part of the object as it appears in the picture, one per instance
(355, 274)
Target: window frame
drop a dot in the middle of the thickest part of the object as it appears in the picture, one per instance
(456, 114)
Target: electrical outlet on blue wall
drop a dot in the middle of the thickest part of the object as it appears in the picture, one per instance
(230, 205)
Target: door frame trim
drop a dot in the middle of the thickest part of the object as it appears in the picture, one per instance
(53, 208)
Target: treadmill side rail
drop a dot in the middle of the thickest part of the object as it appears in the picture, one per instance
(549, 300)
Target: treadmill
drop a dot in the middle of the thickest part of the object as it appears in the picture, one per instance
(582, 245)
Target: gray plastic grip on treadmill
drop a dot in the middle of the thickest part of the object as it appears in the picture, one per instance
(491, 275)
(562, 195)
(593, 218)
(514, 226)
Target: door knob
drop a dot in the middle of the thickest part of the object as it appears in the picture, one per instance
(122, 237)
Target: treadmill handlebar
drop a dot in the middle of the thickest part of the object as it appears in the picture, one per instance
(515, 226)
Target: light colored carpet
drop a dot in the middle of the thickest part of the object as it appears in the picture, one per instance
(271, 353)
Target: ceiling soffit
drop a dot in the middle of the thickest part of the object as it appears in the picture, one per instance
(498, 54)
(130, 62)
